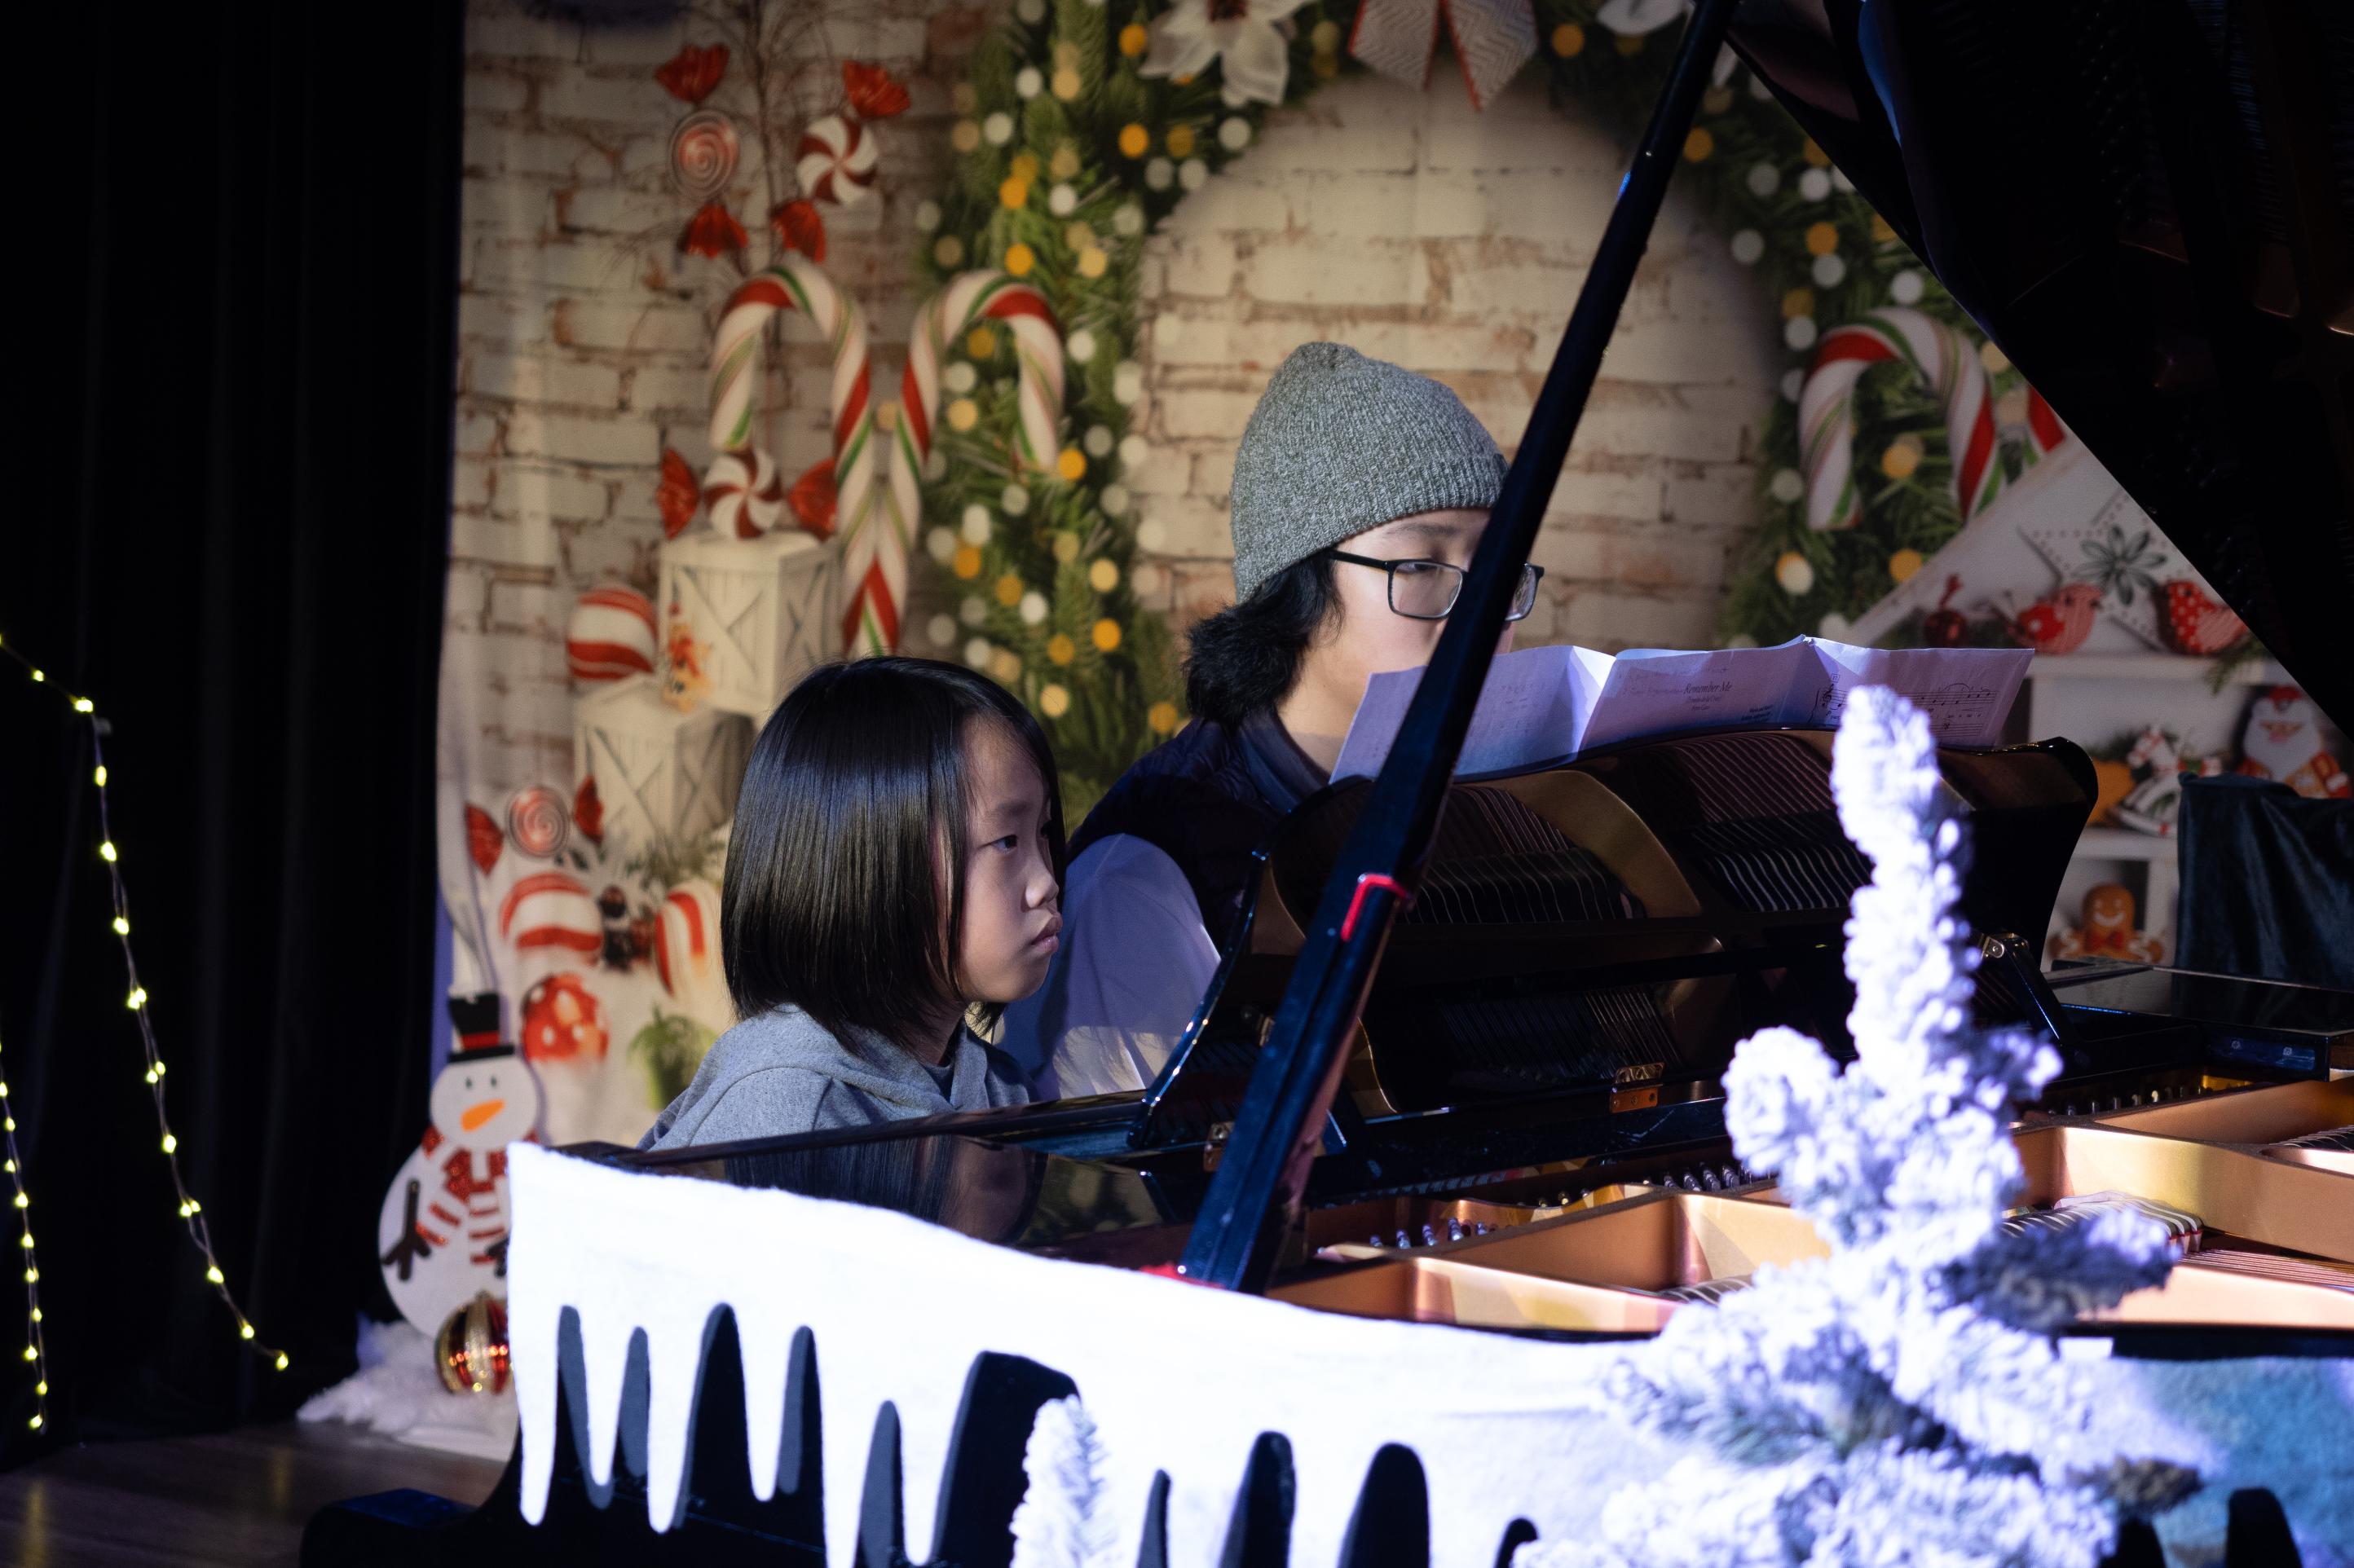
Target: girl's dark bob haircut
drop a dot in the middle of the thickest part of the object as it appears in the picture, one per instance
(1244, 660)
(855, 791)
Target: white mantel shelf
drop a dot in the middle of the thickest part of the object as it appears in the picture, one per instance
(2124, 843)
(2149, 667)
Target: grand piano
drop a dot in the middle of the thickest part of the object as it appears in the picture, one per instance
(1464, 1062)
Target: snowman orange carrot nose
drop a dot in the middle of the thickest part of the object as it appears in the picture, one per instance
(475, 1116)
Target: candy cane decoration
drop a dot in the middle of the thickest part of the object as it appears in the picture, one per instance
(1948, 363)
(742, 488)
(970, 297)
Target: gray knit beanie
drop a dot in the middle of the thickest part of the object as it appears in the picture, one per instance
(1339, 443)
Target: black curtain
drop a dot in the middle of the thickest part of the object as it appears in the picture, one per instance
(234, 373)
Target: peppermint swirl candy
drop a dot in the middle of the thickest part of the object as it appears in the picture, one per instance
(538, 822)
(703, 151)
(835, 161)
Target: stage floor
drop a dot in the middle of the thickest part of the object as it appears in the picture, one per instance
(236, 1498)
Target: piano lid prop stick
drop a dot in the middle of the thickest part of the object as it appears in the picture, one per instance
(1255, 1196)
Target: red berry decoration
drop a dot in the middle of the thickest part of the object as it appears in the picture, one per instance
(2193, 621)
(563, 1020)
(1946, 627)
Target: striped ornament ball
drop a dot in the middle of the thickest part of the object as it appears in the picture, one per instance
(612, 635)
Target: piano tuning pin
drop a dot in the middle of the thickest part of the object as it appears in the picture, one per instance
(1480, 1228)
(1733, 1175)
(1403, 1241)
(1374, 1240)
(1454, 1229)
(1708, 1179)
(1429, 1236)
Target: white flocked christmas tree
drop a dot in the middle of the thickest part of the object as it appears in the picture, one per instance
(1904, 1399)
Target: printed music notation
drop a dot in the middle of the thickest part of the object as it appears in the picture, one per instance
(1543, 704)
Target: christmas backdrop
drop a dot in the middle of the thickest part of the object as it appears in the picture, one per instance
(787, 332)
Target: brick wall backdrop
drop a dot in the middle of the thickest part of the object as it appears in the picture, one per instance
(1401, 222)
(1418, 230)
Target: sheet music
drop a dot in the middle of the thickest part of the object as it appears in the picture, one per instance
(1544, 704)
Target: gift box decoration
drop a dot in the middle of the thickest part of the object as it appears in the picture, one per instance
(744, 618)
(661, 775)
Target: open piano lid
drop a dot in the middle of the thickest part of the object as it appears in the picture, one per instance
(2150, 206)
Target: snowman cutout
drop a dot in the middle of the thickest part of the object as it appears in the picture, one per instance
(441, 1237)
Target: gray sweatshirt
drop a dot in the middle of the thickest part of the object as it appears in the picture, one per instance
(782, 1073)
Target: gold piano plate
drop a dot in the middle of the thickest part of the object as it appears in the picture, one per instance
(2237, 1191)
(1427, 1289)
(2262, 1118)
(1652, 1240)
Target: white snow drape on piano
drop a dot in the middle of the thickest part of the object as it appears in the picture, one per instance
(1181, 1379)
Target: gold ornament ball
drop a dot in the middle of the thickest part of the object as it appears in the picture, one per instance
(1092, 262)
(1797, 303)
(1716, 99)
(947, 251)
(1104, 635)
(1072, 465)
(1325, 36)
(1995, 360)
(1699, 143)
(1823, 239)
(966, 562)
(1903, 564)
(471, 1351)
(1006, 665)
(1019, 258)
(981, 343)
(1162, 717)
(1813, 153)
(1102, 576)
(1009, 590)
(1054, 701)
(1181, 141)
(1067, 55)
(1133, 41)
(1061, 650)
(1882, 232)
(1325, 66)
(963, 414)
(1024, 166)
(1794, 573)
(964, 136)
(1013, 192)
(1901, 458)
(1065, 161)
(1133, 139)
(1569, 40)
(1066, 547)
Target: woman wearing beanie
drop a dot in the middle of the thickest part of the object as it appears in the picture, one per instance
(1360, 492)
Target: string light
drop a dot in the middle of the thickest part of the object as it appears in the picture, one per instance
(36, 1350)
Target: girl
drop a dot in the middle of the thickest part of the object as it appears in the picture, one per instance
(895, 862)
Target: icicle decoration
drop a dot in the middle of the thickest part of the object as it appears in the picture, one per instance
(1903, 1397)
(1899, 1402)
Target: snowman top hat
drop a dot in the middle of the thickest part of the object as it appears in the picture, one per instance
(477, 1020)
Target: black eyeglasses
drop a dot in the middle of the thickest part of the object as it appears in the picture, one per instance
(1427, 591)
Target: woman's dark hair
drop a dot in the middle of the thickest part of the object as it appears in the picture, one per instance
(855, 791)
(1244, 660)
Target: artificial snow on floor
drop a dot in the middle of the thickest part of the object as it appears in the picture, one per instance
(398, 1391)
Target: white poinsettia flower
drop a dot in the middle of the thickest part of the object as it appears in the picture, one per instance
(1634, 18)
(1242, 35)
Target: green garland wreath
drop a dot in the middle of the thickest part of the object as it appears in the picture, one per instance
(1068, 158)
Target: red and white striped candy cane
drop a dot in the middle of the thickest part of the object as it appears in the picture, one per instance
(1946, 362)
(971, 298)
(742, 488)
